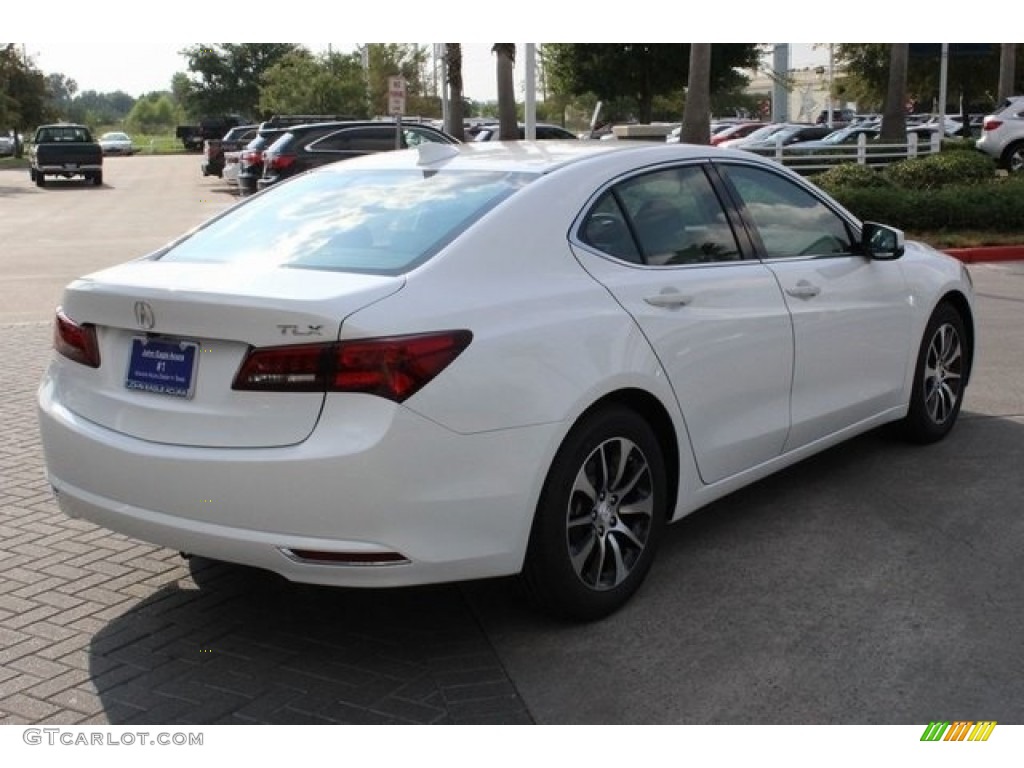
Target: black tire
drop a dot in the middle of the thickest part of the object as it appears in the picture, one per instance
(1013, 158)
(600, 517)
(32, 174)
(40, 179)
(939, 377)
(97, 178)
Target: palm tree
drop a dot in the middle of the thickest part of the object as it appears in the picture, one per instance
(697, 110)
(508, 125)
(453, 63)
(1007, 65)
(894, 118)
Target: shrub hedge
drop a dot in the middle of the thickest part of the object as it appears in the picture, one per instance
(951, 190)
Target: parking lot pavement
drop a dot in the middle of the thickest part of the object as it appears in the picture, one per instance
(97, 628)
(876, 583)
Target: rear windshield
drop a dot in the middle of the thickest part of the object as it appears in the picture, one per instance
(371, 221)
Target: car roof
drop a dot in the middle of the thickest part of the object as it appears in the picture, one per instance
(537, 157)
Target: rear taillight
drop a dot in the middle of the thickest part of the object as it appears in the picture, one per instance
(76, 342)
(395, 367)
(279, 162)
(991, 124)
(252, 156)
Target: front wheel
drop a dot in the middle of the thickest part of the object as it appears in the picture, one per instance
(939, 378)
(600, 517)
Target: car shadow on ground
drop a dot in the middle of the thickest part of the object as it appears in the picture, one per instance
(877, 582)
(249, 647)
(64, 185)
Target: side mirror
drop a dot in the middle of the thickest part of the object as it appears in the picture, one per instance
(880, 242)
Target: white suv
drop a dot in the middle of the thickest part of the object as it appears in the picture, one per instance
(1002, 135)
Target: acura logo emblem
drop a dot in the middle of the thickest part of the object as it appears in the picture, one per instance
(144, 315)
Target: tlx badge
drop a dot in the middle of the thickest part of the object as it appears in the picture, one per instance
(300, 330)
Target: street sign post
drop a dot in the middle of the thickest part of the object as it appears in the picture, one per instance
(396, 105)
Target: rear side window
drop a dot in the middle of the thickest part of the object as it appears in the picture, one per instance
(665, 218)
(375, 139)
(371, 221)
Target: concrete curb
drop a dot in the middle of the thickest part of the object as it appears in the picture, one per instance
(988, 253)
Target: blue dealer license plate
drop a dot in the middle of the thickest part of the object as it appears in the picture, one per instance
(162, 366)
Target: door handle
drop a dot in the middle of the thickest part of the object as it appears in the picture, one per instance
(669, 299)
(803, 290)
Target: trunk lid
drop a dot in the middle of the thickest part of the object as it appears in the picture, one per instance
(172, 336)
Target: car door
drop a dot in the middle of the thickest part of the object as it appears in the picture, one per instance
(851, 314)
(663, 245)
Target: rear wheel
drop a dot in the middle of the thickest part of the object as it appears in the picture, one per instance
(939, 377)
(1013, 157)
(40, 179)
(97, 178)
(600, 517)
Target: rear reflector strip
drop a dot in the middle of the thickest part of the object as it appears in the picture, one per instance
(316, 557)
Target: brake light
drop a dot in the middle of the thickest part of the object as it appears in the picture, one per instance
(279, 162)
(76, 342)
(395, 367)
(252, 156)
(991, 124)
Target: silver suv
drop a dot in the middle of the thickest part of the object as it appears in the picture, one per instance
(1002, 135)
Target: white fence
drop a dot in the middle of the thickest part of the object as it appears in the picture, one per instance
(815, 160)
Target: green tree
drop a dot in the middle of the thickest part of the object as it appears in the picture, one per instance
(225, 78)
(971, 72)
(632, 75)
(508, 124)
(60, 92)
(23, 95)
(409, 61)
(153, 113)
(301, 83)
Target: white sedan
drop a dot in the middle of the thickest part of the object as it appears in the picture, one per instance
(469, 361)
(116, 143)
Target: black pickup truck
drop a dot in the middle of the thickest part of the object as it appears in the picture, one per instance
(65, 149)
(193, 136)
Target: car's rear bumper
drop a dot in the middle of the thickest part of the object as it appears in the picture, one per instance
(453, 506)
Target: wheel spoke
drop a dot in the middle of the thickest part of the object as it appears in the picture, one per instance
(620, 570)
(584, 486)
(580, 556)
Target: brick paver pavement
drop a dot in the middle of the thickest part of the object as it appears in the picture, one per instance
(99, 628)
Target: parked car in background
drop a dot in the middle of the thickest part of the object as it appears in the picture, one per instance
(67, 150)
(302, 147)
(735, 131)
(8, 145)
(1002, 135)
(469, 360)
(250, 162)
(544, 131)
(772, 135)
(840, 118)
(753, 137)
(214, 149)
(116, 143)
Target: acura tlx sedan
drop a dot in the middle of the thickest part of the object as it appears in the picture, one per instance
(458, 362)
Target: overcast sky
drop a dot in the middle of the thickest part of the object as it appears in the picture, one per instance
(141, 67)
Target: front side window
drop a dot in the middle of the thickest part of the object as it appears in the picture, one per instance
(790, 220)
(674, 218)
